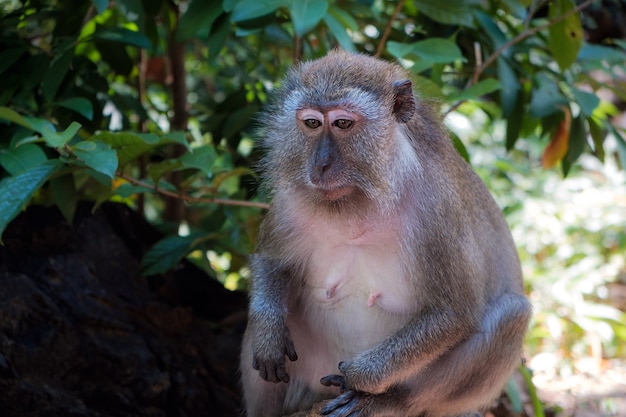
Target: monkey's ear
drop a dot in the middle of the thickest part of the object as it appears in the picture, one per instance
(404, 104)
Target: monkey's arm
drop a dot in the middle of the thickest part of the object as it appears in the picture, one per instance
(268, 335)
(424, 339)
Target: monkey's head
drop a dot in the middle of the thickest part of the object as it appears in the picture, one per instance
(337, 133)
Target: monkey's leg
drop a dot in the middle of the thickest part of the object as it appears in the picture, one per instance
(464, 379)
(474, 373)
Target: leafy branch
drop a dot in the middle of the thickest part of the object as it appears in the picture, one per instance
(483, 65)
(189, 199)
(480, 69)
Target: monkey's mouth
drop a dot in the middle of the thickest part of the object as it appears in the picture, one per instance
(334, 193)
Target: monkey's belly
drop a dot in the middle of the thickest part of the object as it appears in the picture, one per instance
(355, 295)
(325, 334)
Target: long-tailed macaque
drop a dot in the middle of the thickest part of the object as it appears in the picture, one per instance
(385, 281)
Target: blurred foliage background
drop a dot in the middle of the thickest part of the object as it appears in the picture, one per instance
(152, 103)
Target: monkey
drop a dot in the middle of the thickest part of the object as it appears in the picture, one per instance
(385, 281)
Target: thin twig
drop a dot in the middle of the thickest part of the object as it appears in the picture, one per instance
(189, 199)
(383, 39)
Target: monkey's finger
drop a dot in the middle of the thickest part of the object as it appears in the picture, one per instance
(334, 380)
(281, 374)
(339, 407)
(291, 351)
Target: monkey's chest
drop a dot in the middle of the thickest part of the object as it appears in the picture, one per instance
(360, 279)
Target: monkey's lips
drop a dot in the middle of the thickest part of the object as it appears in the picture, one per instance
(334, 193)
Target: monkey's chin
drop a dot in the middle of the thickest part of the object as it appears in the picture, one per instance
(334, 194)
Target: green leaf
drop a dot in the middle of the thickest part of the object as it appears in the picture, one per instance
(98, 156)
(132, 9)
(218, 36)
(201, 158)
(493, 31)
(427, 88)
(175, 137)
(565, 37)
(158, 170)
(306, 14)
(339, 31)
(101, 5)
(22, 158)
(589, 52)
(198, 19)
(9, 57)
(510, 87)
(598, 133)
(16, 191)
(80, 105)
(587, 101)
(13, 116)
(50, 136)
(48, 131)
(514, 122)
(546, 98)
(129, 146)
(344, 18)
(577, 143)
(532, 391)
(452, 12)
(220, 178)
(64, 193)
(398, 50)
(229, 5)
(460, 147)
(621, 145)
(56, 73)
(167, 253)
(251, 9)
(479, 89)
(513, 391)
(437, 50)
(127, 190)
(123, 35)
(238, 120)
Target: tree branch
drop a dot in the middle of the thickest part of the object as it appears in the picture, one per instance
(383, 39)
(189, 199)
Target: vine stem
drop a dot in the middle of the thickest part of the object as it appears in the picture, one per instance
(189, 199)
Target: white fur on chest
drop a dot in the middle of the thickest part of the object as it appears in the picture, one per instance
(356, 266)
(356, 292)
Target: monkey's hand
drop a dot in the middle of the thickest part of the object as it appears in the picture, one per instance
(361, 374)
(351, 403)
(269, 349)
(354, 403)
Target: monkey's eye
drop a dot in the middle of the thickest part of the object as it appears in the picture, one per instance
(343, 123)
(312, 123)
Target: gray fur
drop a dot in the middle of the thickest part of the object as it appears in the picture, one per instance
(407, 288)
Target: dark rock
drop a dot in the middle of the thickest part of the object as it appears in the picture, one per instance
(82, 334)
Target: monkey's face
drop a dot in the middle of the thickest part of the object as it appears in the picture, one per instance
(328, 133)
(337, 133)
